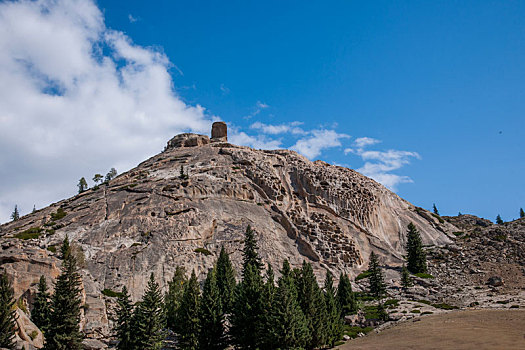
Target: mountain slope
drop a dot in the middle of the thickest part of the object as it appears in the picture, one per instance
(151, 219)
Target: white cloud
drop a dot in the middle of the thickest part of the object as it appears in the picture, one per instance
(132, 19)
(317, 141)
(77, 98)
(379, 164)
(259, 106)
(292, 128)
(362, 142)
(262, 105)
(225, 90)
(259, 141)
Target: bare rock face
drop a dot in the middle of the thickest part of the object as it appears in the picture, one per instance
(151, 219)
(219, 132)
(187, 140)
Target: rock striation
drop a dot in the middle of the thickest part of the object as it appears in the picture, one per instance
(153, 218)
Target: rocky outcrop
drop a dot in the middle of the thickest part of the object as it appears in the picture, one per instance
(219, 132)
(153, 218)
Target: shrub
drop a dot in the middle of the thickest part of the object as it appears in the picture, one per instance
(58, 215)
(203, 251)
(353, 331)
(52, 248)
(444, 306)
(50, 231)
(391, 303)
(440, 219)
(416, 311)
(427, 313)
(515, 307)
(423, 275)
(33, 334)
(31, 233)
(362, 275)
(111, 293)
(21, 305)
(458, 233)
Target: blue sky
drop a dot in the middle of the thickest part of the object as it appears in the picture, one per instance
(439, 78)
(427, 97)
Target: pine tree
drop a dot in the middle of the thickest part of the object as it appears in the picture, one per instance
(435, 209)
(250, 254)
(225, 280)
(499, 220)
(97, 178)
(41, 313)
(381, 311)
(522, 213)
(82, 185)
(245, 318)
(148, 318)
(189, 327)
(268, 341)
(211, 317)
(406, 281)
(416, 257)
(111, 175)
(377, 284)
(345, 296)
(15, 215)
(7, 314)
(312, 304)
(173, 297)
(64, 332)
(124, 323)
(334, 325)
(34, 209)
(290, 322)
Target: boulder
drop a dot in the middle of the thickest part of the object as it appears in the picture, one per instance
(495, 281)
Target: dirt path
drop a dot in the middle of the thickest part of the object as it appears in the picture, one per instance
(461, 330)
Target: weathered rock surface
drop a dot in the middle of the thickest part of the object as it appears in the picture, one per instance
(151, 219)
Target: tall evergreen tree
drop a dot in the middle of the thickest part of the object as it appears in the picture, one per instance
(345, 296)
(212, 332)
(82, 185)
(173, 297)
(499, 220)
(268, 341)
(435, 209)
(188, 318)
(522, 213)
(15, 215)
(291, 324)
(312, 304)
(41, 313)
(377, 284)
(124, 327)
(250, 254)
(334, 325)
(97, 178)
(245, 318)
(148, 318)
(225, 280)
(416, 257)
(112, 173)
(406, 281)
(7, 314)
(64, 332)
